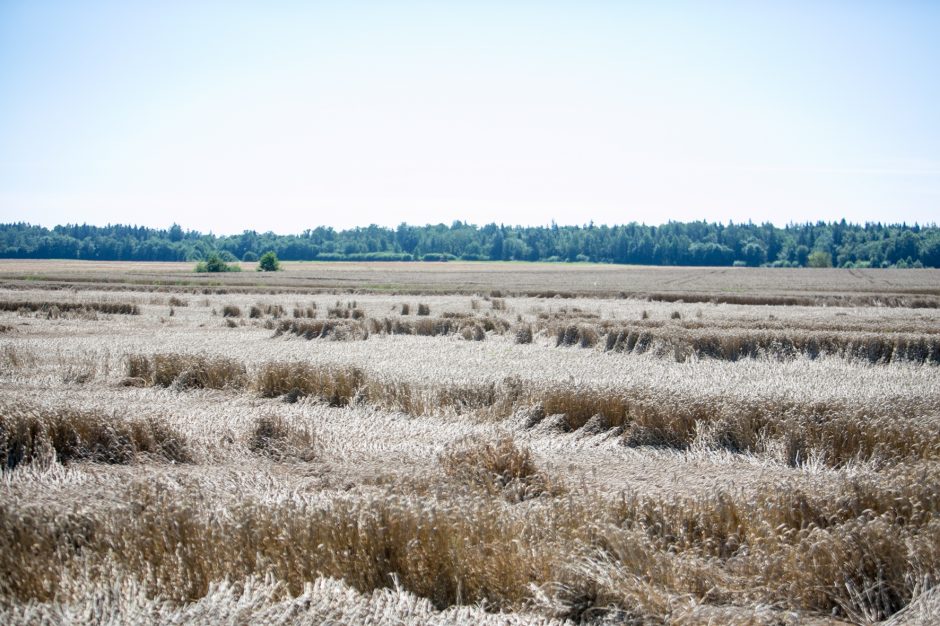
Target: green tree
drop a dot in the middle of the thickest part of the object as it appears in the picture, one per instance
(754, 254)
(176, 232)
(819, 258)
(268, 262)
(674, 243)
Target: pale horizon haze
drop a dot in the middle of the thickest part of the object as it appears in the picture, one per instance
(283, 116)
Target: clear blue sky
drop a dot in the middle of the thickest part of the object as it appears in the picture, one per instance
(288, 115)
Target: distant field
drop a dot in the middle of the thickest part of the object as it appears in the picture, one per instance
(454, 444)
(827, 286)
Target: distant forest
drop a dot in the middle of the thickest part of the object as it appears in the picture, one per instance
(836, 244)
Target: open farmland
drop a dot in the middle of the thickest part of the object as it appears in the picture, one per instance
(720, 284)
(468, 443)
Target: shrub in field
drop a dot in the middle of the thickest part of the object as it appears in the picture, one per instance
(214, 263)
(230, 310)
(424, 309)
(268, 262)
(523, 333)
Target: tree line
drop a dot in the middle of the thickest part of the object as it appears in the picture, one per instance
(822, 244)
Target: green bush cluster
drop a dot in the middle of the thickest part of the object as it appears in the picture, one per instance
(214, 263)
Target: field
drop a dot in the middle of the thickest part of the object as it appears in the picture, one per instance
(466, 443)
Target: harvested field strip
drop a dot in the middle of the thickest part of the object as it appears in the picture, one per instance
(257, 601)
(184, 371)
(338, 330)
(793, 432)
(833, 434)
(734, 345)
(922, 326)
(680, 342)
(29, 435)
(929, 299)
(184, 466)
(340, 386)
(122, 308)
(900, 297)
(861, 553)
(337, 386)
(361, 329)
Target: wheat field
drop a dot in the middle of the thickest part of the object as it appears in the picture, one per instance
(522, 448)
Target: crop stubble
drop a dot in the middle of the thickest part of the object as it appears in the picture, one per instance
(178, 464)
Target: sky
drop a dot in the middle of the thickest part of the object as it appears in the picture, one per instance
(283, 116)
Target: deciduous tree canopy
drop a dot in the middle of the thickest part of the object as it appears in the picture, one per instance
(675, 243)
